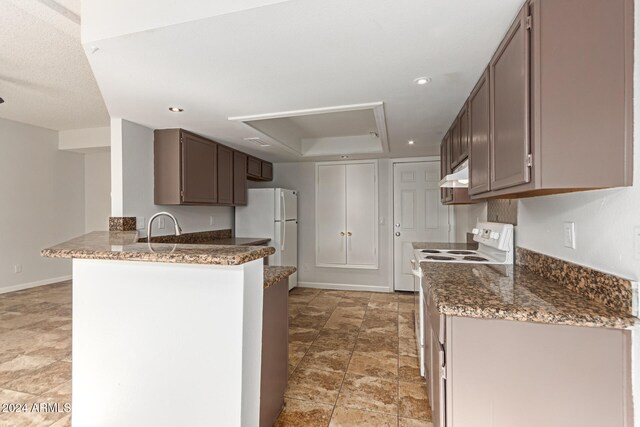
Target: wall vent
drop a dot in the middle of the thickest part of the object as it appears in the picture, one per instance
(258, 141)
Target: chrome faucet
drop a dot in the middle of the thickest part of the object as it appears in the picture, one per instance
(175, 222)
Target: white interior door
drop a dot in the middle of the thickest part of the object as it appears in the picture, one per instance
(361, 215)
(418, 215)
(331, 215)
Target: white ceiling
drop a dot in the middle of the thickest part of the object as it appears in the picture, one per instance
(304, 54)
(45, 78)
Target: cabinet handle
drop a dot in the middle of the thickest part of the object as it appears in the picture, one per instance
(342, 233)
(349, 233)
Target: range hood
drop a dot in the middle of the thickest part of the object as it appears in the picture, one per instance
(459, 178)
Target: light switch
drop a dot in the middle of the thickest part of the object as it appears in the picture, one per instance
(212, 220)
(161, 222)
(140, 225)
(569, 234)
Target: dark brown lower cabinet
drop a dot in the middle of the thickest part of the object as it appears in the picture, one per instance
(239, 178)
(275, 351)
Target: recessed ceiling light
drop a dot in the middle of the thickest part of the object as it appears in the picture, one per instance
(176, 109)
(411, 142)
(422, 80)
(344, 157)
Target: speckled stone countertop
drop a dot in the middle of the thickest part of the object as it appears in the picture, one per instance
(216, 237)
(513, 293)
(273, 274)
(124, 246)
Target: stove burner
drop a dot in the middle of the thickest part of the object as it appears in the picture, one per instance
(440, 258)
(430, 251)
(461, 252)
(474, 258)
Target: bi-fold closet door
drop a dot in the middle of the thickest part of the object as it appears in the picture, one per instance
(347, 215)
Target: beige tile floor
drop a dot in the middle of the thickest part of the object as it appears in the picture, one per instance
(35, 356)
(352, 359)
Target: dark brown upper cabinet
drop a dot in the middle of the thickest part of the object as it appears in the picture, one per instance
(259, 170)
(509, 74)
(454, 144)
(450, 196)
(225, 175)
(239, 178)
(254, 167)
(183, 168)
(479, 128)
(267, 171)
(463, 143)
(192, 170)
(561, 90)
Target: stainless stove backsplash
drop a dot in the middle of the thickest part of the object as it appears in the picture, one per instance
(505, 211)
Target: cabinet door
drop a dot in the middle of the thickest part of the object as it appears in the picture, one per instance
(225, 175)
(239, 178)
(454, 145)
(479, 136)
(448, 148)
(361, 215)
(267, 171)
(254, 167)
(198, 169)
(331, 215)
(443, 167)
(463, 146)
(510, 119)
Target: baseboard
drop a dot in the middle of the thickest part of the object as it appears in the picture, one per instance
(343, 287)
(22, 286)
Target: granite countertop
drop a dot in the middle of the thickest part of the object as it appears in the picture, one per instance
(209, 238)
(513, 293)
(124, 246)
(273, 274)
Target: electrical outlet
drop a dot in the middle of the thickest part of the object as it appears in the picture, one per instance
(140, 225)
(569, 235)
(636, 242)
(161, 222)
(212, 220)
(17, 268)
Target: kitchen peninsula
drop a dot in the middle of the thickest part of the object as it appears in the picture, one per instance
(166, 334)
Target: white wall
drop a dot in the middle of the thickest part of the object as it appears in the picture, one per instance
(465, 218)
(301, 177)
(97, 190)
(132, 183)
(85, 140)
(42, 194)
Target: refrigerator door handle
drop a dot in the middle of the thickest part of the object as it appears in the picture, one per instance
(283, 206)
(284, 235)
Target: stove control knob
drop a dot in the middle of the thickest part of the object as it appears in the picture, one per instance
(494, 235)
(475, 231)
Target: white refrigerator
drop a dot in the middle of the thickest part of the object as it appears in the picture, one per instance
(272, 213)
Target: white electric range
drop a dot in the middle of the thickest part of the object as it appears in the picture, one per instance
(495, 247)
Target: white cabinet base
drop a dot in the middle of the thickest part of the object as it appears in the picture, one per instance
(158, 344)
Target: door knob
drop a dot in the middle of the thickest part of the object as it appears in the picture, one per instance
(397, 233)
